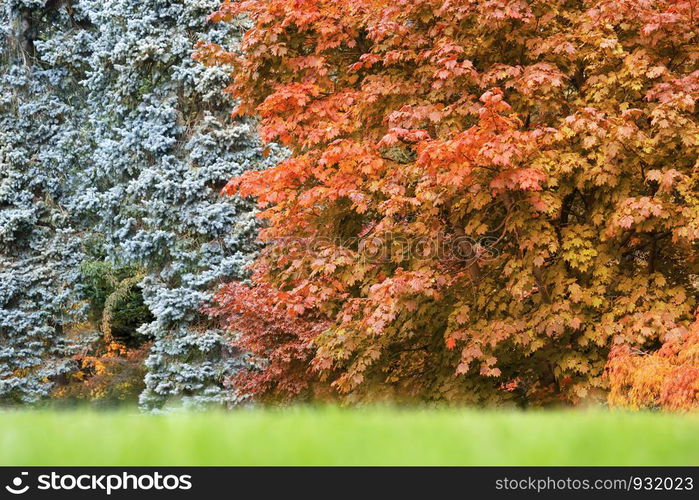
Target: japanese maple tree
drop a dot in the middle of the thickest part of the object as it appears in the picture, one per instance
(667, 378)
(483, 197)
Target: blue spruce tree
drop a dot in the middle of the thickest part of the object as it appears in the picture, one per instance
(39, 143)
(114, 145)
(164, 146)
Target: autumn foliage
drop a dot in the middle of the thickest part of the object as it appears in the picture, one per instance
(107, 375)
(276, 336)
(667, 378)
(483, 198)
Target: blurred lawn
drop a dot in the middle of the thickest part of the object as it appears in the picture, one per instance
(349, 437)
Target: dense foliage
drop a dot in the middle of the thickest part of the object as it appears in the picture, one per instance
(483, 197)
(114, 145)
(667, 378)
(479, 201)
(40, 252)
(163, 146)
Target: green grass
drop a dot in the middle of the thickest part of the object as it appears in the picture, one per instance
(349, 437)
